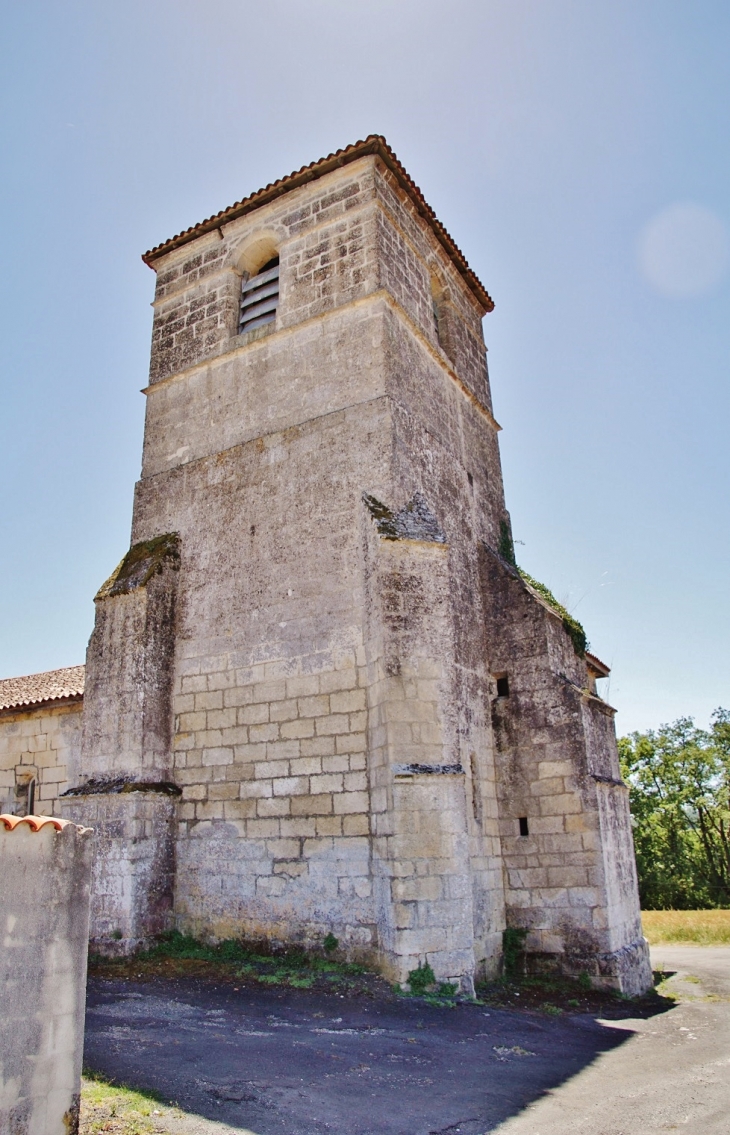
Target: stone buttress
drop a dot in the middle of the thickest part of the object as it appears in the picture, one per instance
(567, 847)
(127, 792)
(288, 726)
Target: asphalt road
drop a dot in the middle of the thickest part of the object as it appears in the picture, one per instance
(672, 1073)
(284, 1062)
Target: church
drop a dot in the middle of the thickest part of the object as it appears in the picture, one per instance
(320, 697)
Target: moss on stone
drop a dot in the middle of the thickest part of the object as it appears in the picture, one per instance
(141, 563)
(506, 543)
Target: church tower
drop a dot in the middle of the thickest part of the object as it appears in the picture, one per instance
(320, 698)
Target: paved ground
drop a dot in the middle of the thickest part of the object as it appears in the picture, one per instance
(671, 1074)
(275, 1062)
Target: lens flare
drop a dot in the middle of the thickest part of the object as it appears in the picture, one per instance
(683, 251)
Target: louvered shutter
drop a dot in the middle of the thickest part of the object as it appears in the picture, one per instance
(260, 297)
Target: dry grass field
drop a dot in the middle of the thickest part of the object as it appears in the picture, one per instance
(687, 927)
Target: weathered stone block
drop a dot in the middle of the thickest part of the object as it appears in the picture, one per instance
(318, 805)
(249, 714)
(133, 875)
(345, 802)
(313, 706)
(266, 806)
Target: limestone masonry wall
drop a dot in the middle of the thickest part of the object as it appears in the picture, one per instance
(41, 743)
(570, 880)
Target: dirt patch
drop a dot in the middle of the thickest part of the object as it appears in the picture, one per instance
(245, 966)
(241, 966)
(554, 996)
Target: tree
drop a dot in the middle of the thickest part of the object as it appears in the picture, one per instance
(679, 778)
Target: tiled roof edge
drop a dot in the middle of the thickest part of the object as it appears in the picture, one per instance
(50, 687)
(38, 703)
(599, 665)
(373, 144)
(35, 823)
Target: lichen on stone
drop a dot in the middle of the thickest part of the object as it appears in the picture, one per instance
(415, 521)
(415, 769)
(114, 785)
(141, 563)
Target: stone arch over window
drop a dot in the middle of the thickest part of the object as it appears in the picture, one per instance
(259, 267)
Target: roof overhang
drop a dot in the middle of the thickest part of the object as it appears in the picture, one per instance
(598, 669)
(373, 144)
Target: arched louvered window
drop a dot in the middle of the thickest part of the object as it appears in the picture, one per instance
(260, 297)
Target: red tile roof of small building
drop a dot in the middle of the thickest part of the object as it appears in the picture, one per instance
(600, 668)
(373, 144)
(39, 689)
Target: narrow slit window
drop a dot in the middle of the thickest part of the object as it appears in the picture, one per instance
(524, 826)
(503, 686)
(260, 297)
(437, 306)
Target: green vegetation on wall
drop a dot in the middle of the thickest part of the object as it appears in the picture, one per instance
(571, 624)
(506, 543)
(679, 779)
(513, 950)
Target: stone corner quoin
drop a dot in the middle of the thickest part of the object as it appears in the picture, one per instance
(317, 697)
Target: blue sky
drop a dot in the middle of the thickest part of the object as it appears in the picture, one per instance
(578, 153)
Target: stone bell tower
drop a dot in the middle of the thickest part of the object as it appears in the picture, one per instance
(292, 722)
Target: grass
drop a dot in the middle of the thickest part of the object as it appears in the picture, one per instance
(117, 1110)
(687, 927)
(241, 963)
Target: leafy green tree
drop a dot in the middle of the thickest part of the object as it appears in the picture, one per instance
(679, 778)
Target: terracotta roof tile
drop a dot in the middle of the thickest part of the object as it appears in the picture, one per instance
(35, 823)
(37, 689)
(600, 669)
(373, 144)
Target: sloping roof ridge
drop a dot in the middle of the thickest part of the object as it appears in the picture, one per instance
(373, 144)
(36, 689)
(591, 657)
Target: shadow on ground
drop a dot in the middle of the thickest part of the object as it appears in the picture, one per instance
(277, 1061)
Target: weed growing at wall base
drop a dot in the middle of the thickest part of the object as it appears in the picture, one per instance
(234, 961)
(513, 950)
